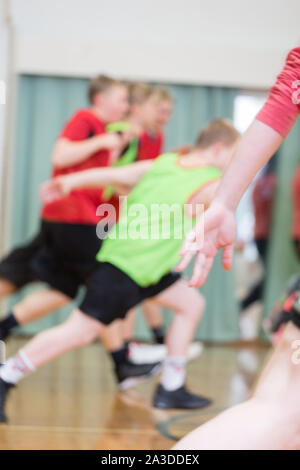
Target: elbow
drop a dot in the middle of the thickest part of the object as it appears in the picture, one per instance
(58, 160)
(60, 154)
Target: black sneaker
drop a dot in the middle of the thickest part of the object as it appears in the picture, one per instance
(4, 389)
(129, 374)
(179, 399)
(4, 333)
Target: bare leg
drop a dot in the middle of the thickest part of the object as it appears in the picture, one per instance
(77, 331)
(268, 420)
(6, 288)
(128, 325)
(188, 305)
(38, 304)
(152, 313)
(112, 336)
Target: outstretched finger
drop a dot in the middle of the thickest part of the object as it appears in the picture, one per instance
(186, 259)
(205, 270)
(227, 257)
(198, 269)
(188, 242)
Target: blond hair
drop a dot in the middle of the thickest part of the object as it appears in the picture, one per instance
(139, 93)
(219, 130)
(162, 93)
(101, 84)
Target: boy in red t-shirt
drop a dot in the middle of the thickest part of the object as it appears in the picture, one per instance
(82, 133)
(69, 224)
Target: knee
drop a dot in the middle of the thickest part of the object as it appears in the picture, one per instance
(25, 305)
(194, 306)
(198, 302)
(6, 287)
(84, 329)
(87, 336)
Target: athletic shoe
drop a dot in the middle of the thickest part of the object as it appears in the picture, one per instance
(179, 399)
(149, 353)
(4, 389)
(129, 374)
(278, 315)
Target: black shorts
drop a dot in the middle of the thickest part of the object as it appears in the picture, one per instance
(111, 293)
(62, 255)
(16, 266)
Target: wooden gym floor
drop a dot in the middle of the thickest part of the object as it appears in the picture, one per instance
(73, 403)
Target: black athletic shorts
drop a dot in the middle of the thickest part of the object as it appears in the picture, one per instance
(111, 293)
(62, 255)
(16, 266)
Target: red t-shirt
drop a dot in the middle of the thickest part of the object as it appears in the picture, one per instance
(283, 105)
(263, 199)
(296, 205)
(150, 146)
(79, 207)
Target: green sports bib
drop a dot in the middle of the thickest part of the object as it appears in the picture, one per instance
(128, 156)
(153, 224)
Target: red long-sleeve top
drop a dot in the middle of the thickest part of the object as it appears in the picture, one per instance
(283, 104)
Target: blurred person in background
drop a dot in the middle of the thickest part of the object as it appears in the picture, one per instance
(263, 197)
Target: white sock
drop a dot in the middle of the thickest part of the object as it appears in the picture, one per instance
(16, 368)
(173, 374)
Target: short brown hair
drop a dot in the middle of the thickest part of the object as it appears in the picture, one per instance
(219, 130)
(100, 84)
(139, 93)
(162, 93)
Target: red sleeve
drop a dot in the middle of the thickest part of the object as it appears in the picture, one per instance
(78, 127)
(283, 104)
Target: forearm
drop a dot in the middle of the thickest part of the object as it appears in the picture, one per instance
(94, 178)
(134, 172)
(256, 147)
(67, 153)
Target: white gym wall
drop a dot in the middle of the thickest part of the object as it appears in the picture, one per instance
(235, 43)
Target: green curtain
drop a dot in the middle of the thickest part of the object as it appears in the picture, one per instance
(282, 258)
(44, 104)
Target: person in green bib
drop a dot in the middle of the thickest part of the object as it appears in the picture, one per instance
(137, 257)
